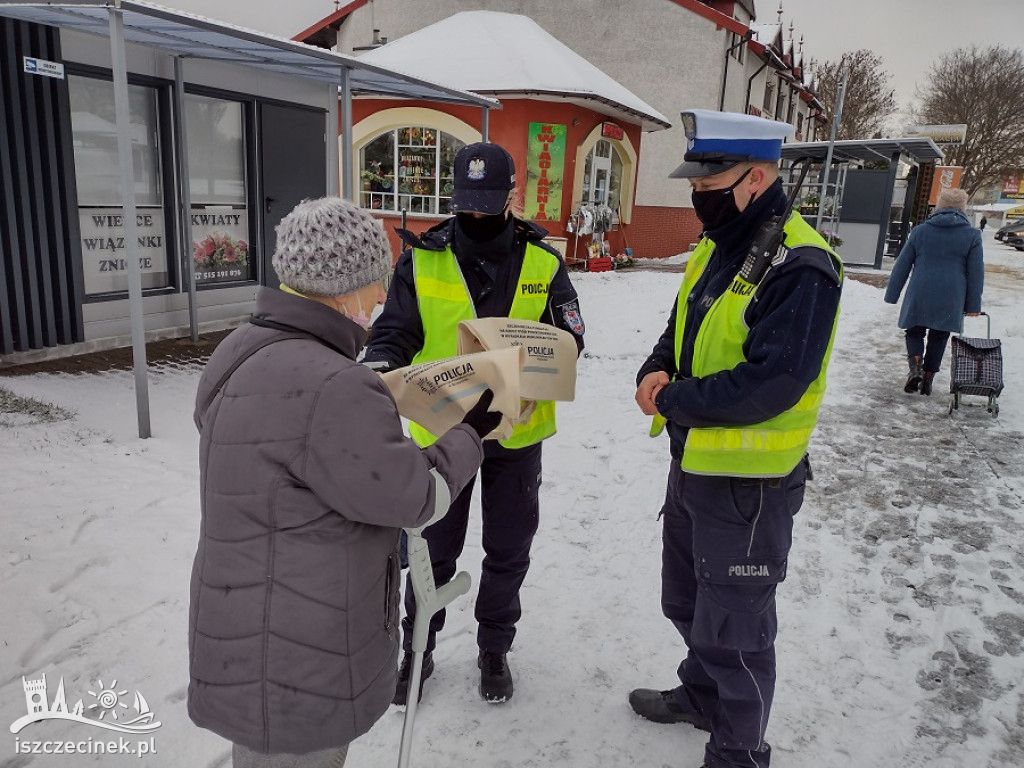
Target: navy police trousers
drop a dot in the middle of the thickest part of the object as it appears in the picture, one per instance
(725, 543)
(510, 488)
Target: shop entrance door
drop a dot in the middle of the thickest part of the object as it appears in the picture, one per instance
(293, 162)
(600, 172)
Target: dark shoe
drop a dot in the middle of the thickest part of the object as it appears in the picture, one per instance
(664, 707)
(405, 672)
(495, 677)
(926, 382)
(915, 375)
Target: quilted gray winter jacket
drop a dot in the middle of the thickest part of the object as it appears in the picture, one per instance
(306, 479)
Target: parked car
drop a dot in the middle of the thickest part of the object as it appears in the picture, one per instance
(1013, 228)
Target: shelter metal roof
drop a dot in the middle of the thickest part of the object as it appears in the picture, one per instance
(196, 37)
(921, 150)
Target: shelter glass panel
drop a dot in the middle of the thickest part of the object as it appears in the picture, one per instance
(98, 179)
(215, 130)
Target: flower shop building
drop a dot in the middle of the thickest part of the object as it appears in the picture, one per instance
(574, 133)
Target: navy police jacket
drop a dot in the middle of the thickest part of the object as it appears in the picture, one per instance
(491, 270)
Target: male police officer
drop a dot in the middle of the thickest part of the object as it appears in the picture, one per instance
(738, 376)
(482, 263)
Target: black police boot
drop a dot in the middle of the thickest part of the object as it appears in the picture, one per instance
(926, 382)
(915, 375)
(495, 677)
(664, 707)
(405, 672)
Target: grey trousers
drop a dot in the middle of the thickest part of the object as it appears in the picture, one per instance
(243, 757)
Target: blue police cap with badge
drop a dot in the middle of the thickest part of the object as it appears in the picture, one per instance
(716, 141)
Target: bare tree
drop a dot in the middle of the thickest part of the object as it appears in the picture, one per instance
(980, 87)
(869, 100)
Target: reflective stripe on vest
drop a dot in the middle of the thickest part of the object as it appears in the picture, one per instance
(444, 301)
(769, 448)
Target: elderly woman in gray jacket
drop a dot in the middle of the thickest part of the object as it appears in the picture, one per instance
(943, 260)
(306, 480)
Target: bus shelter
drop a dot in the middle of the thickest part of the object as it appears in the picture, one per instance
(106, 219)
(869, 208)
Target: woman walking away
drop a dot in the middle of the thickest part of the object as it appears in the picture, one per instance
(306, 479)
(943, 260)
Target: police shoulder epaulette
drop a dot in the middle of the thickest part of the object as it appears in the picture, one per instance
(809, 256)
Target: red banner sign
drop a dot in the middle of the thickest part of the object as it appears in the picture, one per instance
(612, 131)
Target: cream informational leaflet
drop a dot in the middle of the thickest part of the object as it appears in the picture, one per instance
(438, 395)
(520, 360)
(549, 369)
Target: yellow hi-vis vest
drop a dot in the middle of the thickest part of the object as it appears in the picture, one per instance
(769, 448)
(444, 301)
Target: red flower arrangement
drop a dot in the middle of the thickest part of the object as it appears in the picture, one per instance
(218, 251)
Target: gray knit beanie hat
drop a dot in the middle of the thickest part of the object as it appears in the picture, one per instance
(329, 247)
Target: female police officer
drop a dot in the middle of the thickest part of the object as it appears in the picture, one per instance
(483, 262)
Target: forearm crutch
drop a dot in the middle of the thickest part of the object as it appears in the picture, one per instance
(429, 600)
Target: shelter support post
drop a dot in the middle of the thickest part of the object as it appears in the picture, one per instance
(347, 168)
(485, 125)
(883, 232)
(131, 230)
(332, 140)
(831, 147)
(188, 264)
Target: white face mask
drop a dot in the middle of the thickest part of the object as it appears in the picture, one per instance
(362, 319)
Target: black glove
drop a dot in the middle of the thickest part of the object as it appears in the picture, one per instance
(480, 419)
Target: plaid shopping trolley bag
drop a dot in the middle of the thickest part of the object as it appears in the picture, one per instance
(976, 369)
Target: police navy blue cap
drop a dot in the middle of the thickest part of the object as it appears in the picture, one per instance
(716, 141)
(484, 175)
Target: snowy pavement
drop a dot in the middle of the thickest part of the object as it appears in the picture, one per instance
(901, 623)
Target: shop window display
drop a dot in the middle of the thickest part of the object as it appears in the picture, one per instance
(410, 168)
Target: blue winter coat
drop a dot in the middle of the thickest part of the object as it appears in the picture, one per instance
(943, 260)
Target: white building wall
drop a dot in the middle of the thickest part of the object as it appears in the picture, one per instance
(668, 56)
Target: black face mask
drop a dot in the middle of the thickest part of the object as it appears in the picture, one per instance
(717, 207)
(483, 228)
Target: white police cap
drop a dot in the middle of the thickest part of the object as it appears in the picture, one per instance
(716, 141)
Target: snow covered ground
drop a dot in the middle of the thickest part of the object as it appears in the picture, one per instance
(902, 620)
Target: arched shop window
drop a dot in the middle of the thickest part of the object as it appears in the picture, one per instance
(602, 176)
(410, 168)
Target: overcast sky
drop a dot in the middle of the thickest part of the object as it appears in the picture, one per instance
(909, 35)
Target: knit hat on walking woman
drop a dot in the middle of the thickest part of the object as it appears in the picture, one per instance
(330, 247)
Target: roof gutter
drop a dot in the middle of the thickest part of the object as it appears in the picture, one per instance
(750, 81)
(747, 35)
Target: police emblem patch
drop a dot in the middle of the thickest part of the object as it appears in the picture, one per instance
(571, 315)
(477, 169)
